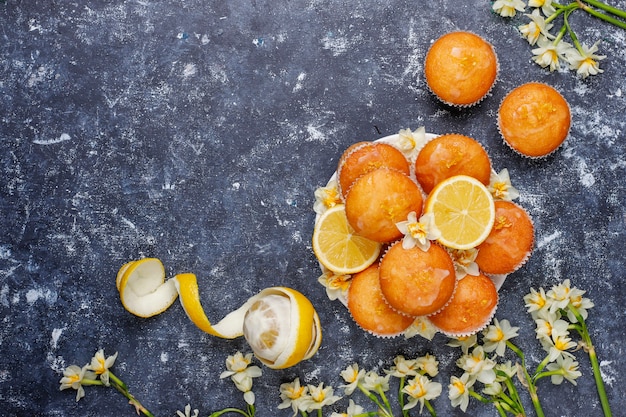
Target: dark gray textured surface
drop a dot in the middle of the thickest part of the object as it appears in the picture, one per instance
(197, 131)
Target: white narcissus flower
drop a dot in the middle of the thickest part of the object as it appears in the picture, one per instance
(545, 5)
(326, 197)
(421, 389)
(464, 262)
(568, 369)
(418, 232)
(352, 411)
(292, 394)
(336, 285)
(374, 382)
(500, 186)
(508, 8)
(74, 376)
(422, 326)
(318, 397)
(550, 53)
(536, 301)
(459, 390)
(585, 60)
(478, 365)
(496, 335)
(559, 347)
(403, 367)
(428, 364)
(187, 412)
(353, 377)
(241, 373)
(535, 28)
(101, 366)
(410, 142)
(464, 342)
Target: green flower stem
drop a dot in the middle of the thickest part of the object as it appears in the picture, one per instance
(541, 366)
(501, 411)
(91, 382)
(606, 408)
(603, 16)
(531, 386)
(133, 401)
(511, 405)
(229, 410)
(405, 413)
(319, 412)
(385, 401)
(515, 395)
(430, 408)
(479, 397)
(560, 10)
(118, 381)
(371, 396)
(613, 10)
(540, 375)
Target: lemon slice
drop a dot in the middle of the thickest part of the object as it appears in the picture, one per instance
(463, 211)
(143, 289)
(338, 247)
(230, 327)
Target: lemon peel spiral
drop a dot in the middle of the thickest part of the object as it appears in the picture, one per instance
(280, 324)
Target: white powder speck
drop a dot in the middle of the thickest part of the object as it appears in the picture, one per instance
(164, 357)
(236, 186)
(314, 134)
(64, 137)
(547, 239)
(300, 79)
(56, 334)
(337, 45)
(586, 178)
(189, 70)
(4, 296)
(608, 373)
(33, 296)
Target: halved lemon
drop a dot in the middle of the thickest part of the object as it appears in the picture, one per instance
(463, 211)
(143, 289)
(338, 247)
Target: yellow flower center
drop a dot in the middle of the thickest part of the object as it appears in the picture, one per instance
(319, 396)
(460, 386)
(295, 393)
(417, 230)
(500, 188)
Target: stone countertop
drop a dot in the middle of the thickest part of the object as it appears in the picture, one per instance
(197, 132)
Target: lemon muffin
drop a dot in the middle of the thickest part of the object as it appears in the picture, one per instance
(378, 200)
(510, 241)
(449, 155)
(461, 68)
(472, 307)
(417, 282)
(534, 119)
(363, 157)
(369, 309)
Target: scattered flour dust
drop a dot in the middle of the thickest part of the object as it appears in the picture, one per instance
(608, 373)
